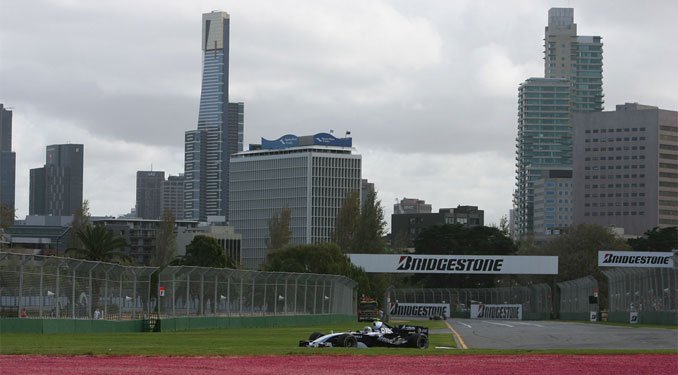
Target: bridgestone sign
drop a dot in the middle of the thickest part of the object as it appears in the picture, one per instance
(459, 264)
(501, 312)
(642, 259)
(425, 310)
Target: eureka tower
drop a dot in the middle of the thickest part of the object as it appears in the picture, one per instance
(220, 127)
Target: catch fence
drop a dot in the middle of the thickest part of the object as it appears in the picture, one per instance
(575, 301)
(642, 289)
(35, 286)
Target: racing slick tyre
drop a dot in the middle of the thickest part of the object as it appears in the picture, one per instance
(419, 341)
(347, 341)
(315, 335)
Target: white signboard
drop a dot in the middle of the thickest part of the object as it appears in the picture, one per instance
(500, 312)
(461, 264)
(633, 317)
(635, 259)
(424, 310)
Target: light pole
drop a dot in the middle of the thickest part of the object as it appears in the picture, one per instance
(59, 238)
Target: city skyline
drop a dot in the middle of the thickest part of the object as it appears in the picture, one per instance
(419, 119)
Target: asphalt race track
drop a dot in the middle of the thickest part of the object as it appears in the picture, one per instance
(511, 334)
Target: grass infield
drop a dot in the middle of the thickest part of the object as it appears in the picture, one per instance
(239, 342)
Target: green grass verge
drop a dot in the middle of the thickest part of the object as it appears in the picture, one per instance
(246, 341)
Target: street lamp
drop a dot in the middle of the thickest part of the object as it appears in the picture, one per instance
(59, 237)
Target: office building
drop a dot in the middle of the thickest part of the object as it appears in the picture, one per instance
(220, 127)
(7, 160)
(56, 188)
(149, 192)
(572, 82)
(626, 168)
(310, 175)
(366, 188)
(552, 203)
(411, 206)
(406, 227)
(140, 235)
(229, 241)
(172, 197)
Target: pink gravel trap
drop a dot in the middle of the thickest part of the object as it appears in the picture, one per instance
(322, 364)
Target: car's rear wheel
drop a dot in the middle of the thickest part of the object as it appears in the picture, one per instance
(419, 341)
(347, 341)
(315, 335)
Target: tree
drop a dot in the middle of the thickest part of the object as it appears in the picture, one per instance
(347, 222)
(81, 219)
(656, 239)
(371, 226)
(205, 251)
(7, 216)
(98, 244)
(577, 251)
(279, 230)
(325, 258)
(455, 239)
(165, 241)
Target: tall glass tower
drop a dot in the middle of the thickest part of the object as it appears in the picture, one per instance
(573, 82)
(208, 149)
(7, 160)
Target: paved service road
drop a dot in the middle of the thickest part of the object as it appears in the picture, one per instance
(511, 334)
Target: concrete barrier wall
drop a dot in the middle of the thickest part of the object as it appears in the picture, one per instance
(646, 317)
(17, 325)
(195, 323)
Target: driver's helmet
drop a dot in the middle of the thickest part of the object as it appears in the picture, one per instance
(368, 329)
(378, 325)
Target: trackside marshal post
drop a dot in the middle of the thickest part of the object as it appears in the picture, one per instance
(462, 264)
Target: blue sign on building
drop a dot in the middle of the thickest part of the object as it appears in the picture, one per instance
(319, 139)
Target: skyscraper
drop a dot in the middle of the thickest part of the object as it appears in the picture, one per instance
(219, 132)
(56, 188)
(7, 160)
(573, 82)
(149, 192)
(173, 196)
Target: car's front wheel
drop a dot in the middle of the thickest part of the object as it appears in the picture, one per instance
(347, 341)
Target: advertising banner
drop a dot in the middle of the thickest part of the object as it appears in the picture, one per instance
(421, 310)
(500, 312)
(644, 259)
(459, 264)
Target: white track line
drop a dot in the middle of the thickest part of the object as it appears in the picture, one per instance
(498, 324)
(464, 324)
(532, 324)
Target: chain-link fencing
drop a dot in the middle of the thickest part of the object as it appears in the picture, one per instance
(536, 298)
(575, 297)
(642, 289)
(35, 286)
(197, 291)
(67, 288)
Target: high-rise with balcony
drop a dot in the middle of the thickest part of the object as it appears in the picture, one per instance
(573, 76)
(7, 160)
(220, 127)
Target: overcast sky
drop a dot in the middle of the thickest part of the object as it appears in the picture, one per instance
(428, 89)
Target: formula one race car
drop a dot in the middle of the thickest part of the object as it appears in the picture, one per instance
(378, 335)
